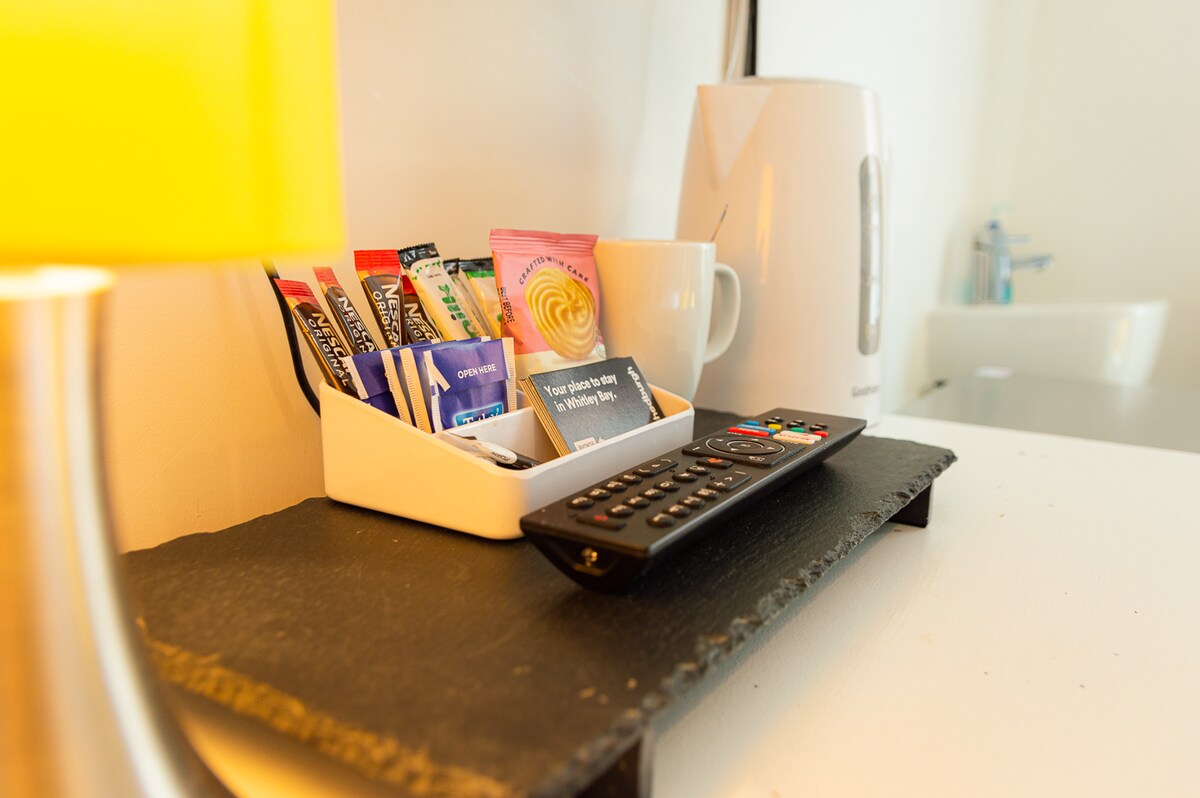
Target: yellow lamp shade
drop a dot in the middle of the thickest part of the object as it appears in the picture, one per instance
(167, 130)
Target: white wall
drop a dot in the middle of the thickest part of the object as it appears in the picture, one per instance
(1099, 160)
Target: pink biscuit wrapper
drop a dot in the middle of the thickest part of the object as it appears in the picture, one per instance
(553, 319)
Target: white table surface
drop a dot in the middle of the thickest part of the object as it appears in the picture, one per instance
(1040, 637)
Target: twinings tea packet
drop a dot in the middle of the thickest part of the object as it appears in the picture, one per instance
(470, 381)
(353, 328)
(322, 339)
(549, 298)
(450, 312)
(410, 368)
(379, 272)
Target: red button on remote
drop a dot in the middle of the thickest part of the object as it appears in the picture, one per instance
(757, 433)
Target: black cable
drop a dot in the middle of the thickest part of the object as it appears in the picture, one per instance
(293, 344)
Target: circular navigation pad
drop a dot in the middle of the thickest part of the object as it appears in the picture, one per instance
(743, 446)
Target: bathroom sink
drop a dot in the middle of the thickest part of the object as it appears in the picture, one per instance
(1115, 343)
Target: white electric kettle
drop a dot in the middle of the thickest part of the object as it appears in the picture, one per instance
(799, 165)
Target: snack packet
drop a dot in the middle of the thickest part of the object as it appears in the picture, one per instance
(417, 326)
(549, 298)
(481, 278)
(379, 272)
(451, 314)
(353, 328)
(322, 339)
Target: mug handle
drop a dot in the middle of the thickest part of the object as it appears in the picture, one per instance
(725, 320)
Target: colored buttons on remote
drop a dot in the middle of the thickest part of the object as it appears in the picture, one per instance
(756, 432)
(801, 438)
(716, 462)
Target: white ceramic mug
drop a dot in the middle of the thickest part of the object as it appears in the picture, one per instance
(656, 305)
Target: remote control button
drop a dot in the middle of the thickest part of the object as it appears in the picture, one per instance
(580, 503)
(775, 427)
(750, 423)
(602, 521)
(615, 486)
(637, 502)
(669, 487)
(774, 420)
(707, 495)
(620, 511)
(821, 433)
(653, 493)
(758, 433)
(683, 476)
(695, 450)
(692, 501)
(631, 479)
(803, 439)
(599, 493)
(656, 467)
(796, 428)
(743, 446)
(661, 519)
(716, 462)
(798, 422)
(701, 470)
(728, 482)
(679, 511)
(819, 427)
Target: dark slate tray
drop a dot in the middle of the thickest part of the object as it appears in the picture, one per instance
(444, 664)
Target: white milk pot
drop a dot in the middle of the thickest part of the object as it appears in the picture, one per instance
(799, 164)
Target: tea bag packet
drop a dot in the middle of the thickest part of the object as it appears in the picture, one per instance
(481, 278)
(322, 339)
(470, 381)
(353, 328)
(439, 296)
(379, 272)
(411, 371)
(370, 373)
(549, 298)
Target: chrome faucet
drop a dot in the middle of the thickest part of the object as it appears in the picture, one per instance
(994, 264)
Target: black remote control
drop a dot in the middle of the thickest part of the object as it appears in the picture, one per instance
(607, 535)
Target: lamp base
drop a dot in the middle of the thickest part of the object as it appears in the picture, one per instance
(81, 714)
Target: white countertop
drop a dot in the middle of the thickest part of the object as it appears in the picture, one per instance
(1039, 637)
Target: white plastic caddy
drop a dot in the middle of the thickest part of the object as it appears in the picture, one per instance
(376, 461)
